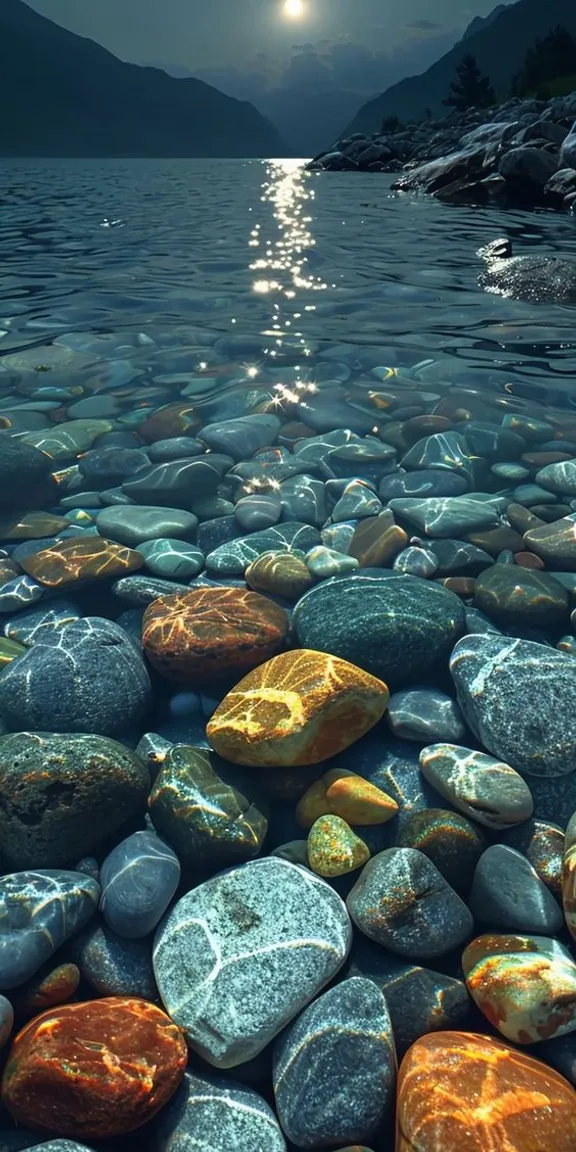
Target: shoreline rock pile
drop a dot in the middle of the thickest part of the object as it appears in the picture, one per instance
(288, 771)
(520, 153)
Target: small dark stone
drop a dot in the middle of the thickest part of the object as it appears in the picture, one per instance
(138, 879)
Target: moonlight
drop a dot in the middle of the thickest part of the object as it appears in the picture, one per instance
(294, 9)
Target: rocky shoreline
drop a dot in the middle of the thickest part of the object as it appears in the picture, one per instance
(519, 153)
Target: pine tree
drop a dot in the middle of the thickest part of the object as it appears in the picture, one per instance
(550, 58)
(470, 89)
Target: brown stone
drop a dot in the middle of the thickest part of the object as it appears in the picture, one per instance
(539, 459)
(178, 419)
(462, 586)
(497, 540)
(555, 543)
(299, 708)
(464, 1092)
(81, 558)
(96, 1069)
(419, 426)
(8, 570)
(522, 519)
(212, 632)
(529, 560)
(51, 986)
(342, 793)
(31, 525)
(281, 573)
(377, 540)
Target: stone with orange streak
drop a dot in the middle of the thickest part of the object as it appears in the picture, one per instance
(281, 573)
(465, 1092)
(210, 633)
(301, 707)
(177, 419)
(81, 558)
(96, 1069)
(334, 849)
(524, 985)
(343, 793)
(569, 877)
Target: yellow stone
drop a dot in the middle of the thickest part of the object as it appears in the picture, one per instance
(300, 707)
(345, 794)
(334, 849)
(281, 573)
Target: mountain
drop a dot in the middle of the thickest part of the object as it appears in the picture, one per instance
(480, 22)
(499, 46)
(63, 95)
(308, 119)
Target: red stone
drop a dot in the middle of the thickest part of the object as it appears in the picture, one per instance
(96, 1069)
(212, 632)
(463, 1092)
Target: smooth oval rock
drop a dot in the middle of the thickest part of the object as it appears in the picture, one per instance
(80, 559)
(525, 985)
(299, 708)
(486, 789)
(393, 626)
(38, 912)
(212, 632)
(134, 525)
(334, 1069)
(101, 1068)
(217, 1113)
(403, 902)
(425, 714)
(138, 879)
(518, 697)
(240, 955)
(511, 597)
(508, 894)
(464, 1092)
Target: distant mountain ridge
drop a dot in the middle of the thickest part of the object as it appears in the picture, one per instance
(63, 95)
(499, 45)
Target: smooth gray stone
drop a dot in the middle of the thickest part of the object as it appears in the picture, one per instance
(240, 955)
(89, 677)
(216, 1114)
(477, 624)
(303, 499)
(233, 557)
(143, 590)
(422, 483)
(26, 474)
(242, 437)
(403, 902)
(19, 593)
(177, 483)
(486, 789)
(29, 626)
(338, 536)
(559, 478)
(491, 441)
(172, 559)
(528, 494)
(356, 503)
(459, 558)
(136, 524)
(105, 466)
(112, 965)
(508, 895)
(415, 561)
(519, 699)
(138, 879)
(425, 714)
(445, 452)
(418, 1000)
(38, 912)
(334, 1070)
(368, 460)
(178, 448)
(393, 626)
(446, 515)
(324, 562)
(254, 513)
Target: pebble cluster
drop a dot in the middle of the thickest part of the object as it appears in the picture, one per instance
(287, 766)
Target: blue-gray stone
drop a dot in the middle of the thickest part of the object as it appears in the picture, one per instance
(134, 525)
(242, 437)
(507, 895)
(445, 515)
(394, 626)
(138, 879)
(112, 965)
(403, 902)
(176, 483)
(19, 592)
(219, 1114)
(425, 715)
(334, 1070)
(519, 699)
(172, 559)
(303, 499)
(88, 677)
(233, 558)
(256, 512)
(142, 590)
(424, 482)
(240, 955)
(39, 911)
(29, 626)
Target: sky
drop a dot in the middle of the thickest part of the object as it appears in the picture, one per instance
(346, 38)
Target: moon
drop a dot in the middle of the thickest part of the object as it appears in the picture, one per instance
(294, 9)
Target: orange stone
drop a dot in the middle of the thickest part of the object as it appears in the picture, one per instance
(464, 1092)
(178, 419)
(212, 632)
(282, 573)
(46, 989)
(81, 558)
(96, 1069)
(299, 708)
(343, 793)
(377, 540)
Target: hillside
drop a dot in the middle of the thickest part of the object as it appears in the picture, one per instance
(63, 95)
(499, 46)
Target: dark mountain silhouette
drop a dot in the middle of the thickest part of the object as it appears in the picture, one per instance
(499, 46)
(63, 95)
